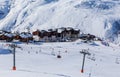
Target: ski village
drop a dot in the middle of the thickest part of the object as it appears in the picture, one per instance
(59, 38)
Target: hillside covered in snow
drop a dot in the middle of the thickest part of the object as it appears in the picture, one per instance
(60, 58)
(98, 17)
(40, 60)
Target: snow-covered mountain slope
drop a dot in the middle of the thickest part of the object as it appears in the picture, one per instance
(41, 60)
(98, 17)
(4, 8)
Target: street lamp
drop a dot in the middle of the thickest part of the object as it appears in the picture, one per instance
(84, 52)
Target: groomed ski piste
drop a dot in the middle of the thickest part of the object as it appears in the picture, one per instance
(40, 60)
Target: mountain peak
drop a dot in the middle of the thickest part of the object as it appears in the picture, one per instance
(98, 17)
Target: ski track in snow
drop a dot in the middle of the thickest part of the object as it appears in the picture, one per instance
(61, 75)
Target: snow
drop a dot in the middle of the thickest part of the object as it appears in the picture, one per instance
(8, 34)
(60, 30)
(25, 35)
(97, 17)
(4, 51)
(36, 60)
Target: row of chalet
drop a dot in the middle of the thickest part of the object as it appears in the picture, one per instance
(60, 34)
(50, 35)
(9, 37)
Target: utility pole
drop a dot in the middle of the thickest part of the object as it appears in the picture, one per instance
(14, 56)
(14, 63)
(84, 52)
(14, 66)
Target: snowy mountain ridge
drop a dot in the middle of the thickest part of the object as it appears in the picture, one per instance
(98, 17)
